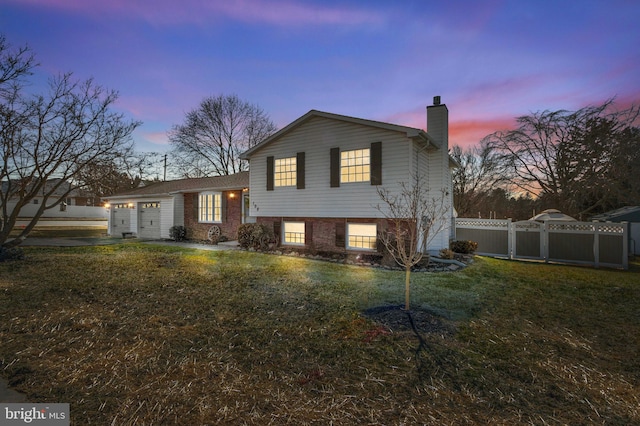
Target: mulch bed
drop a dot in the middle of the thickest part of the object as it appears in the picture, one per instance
(396, 319)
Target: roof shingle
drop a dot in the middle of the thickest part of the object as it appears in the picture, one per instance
(214, 183)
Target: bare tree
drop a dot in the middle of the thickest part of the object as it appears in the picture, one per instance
(475, 177)
(213, 136)
(414, 218)
(113, 175)
(557, 154)
(46, 141)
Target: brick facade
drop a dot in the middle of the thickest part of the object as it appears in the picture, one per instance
(231, 216)
(327, 234)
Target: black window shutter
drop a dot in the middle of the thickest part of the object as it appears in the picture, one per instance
(340, 234)
(300, 170)
(270, 173)
(277, 230)
(196, 201)
(308, 233)
(376, 163)
(335, 167)
(223, 207)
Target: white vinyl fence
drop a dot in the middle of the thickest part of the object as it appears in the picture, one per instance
(66, 212)
(590, 243)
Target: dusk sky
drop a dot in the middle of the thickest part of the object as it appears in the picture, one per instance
(490, 61)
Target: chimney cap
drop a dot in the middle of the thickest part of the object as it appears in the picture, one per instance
(436, 100)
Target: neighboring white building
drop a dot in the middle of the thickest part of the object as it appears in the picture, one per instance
(76, 208)
(316, 180)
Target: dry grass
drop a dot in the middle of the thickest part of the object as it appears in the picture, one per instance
(139, 335)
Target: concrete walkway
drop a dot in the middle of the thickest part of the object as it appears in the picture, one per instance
(9, 395)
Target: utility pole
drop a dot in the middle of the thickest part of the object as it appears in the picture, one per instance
(164, 179)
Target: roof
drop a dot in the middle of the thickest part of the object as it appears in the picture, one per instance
(552, 214)
(61, 190)
(217, 183)
(624, 214)
(409, 131)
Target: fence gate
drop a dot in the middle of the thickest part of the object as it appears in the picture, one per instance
(528, 240)
(492, 235)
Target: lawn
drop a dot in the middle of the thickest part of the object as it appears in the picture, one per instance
(135, 334)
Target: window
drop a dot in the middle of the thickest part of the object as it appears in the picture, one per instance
(355, 166)
(294, 233)
(285, 171)
(362, 236)
(210, 207)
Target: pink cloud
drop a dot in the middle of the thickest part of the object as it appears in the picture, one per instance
(465, 128)
(168, 12)
(469, 132)
(158, 138)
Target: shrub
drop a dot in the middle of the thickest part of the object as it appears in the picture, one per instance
(446, 254)
(178, 233)
(464, 246)
(254, 235)
(13, 253)
(244, 235)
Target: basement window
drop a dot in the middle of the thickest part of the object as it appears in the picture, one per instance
(362, 236)
(293, 233)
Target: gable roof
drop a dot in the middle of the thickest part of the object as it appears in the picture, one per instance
(62, 188)
(626, 214)
(214, 183)
(410, 132)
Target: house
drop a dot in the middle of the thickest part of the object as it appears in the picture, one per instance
(630, 214)
(77, 207)
(315, 181)
(204, 206)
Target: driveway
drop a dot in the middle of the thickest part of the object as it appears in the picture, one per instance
(9, 395)
(81, 241)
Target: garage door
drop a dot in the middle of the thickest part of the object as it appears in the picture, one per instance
(121, 219)
(149, 220)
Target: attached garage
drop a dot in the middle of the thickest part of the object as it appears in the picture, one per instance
(150, 211)
(141, 217)
(149, 220)
(121, 218)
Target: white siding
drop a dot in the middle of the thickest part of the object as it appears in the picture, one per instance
(166, 216)
(178, 210)
(316, 137)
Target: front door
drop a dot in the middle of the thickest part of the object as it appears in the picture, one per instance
(246, 209)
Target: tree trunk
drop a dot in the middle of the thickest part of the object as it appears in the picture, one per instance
(407, 286)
